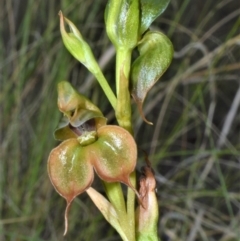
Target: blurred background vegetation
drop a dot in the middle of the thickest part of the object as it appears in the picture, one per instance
(194, 145)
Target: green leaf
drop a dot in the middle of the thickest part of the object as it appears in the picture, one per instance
(70, 171)
(156, 52)
(150, 10)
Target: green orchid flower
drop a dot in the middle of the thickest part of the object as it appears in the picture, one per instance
(88, 145)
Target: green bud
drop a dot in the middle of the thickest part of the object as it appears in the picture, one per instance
(122, 22)
(156, 52)
(77, 46)
(150, 10)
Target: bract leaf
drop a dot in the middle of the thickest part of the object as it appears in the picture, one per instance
(147, 213)
(115, 154)
(107, 209)
(156, 52)
(70, 171)
(150, 10)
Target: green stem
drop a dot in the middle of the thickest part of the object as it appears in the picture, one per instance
(123, 115)
(131, 205)
(123, 108)
(106, 88)
(123, 63)
(115, 195)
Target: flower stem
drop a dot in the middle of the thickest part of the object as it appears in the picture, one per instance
(106, 88)
(123, 108)
(131, 205)
(123, 115)
(115, 196)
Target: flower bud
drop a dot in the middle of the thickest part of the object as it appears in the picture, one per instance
(77, 46)
(122, 22)
(156, 52)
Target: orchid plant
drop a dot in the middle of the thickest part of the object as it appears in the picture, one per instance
(90, 145)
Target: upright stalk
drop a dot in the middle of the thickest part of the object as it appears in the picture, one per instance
(106, 88)
(123, 108)
(123, 115)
